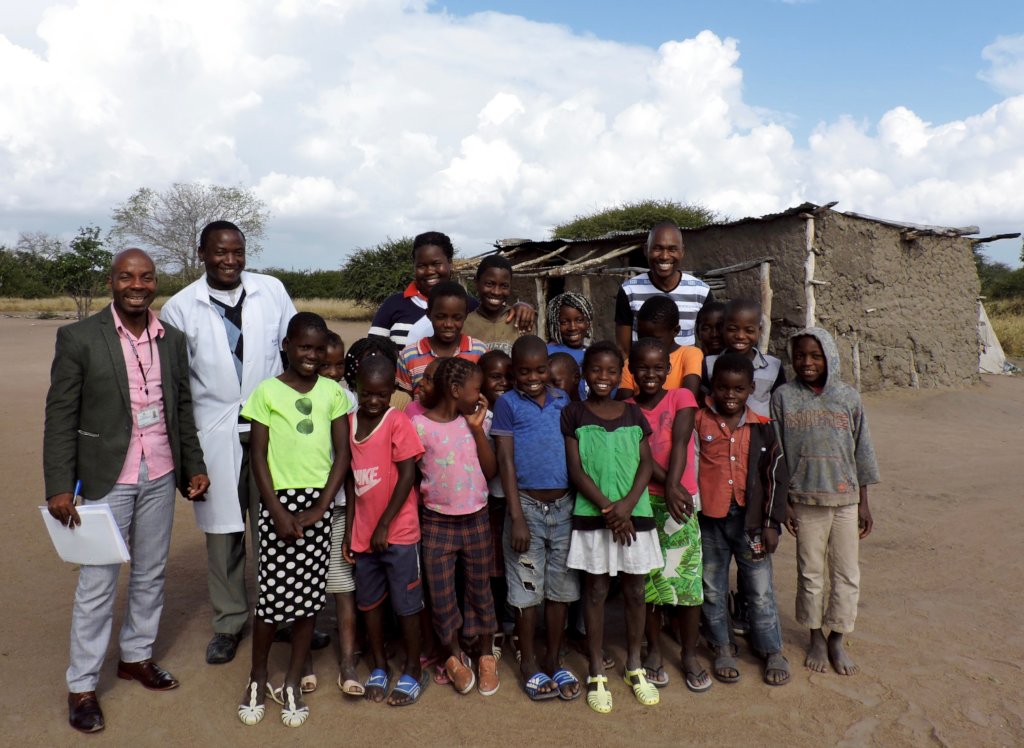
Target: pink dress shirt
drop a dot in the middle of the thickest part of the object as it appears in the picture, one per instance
(142, 359)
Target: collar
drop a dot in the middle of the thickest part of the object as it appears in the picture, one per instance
(423, 346)
(156, 330)
(550, 395)
(203, 286)
(760, 362)
(411, 292)
(748, 416)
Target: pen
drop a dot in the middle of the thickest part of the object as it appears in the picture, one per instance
(74, 499)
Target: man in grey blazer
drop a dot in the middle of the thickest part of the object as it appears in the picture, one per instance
(119, 419)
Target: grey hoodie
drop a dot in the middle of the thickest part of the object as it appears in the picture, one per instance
(824, 435)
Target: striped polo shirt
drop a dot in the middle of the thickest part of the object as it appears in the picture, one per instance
(689, 296)
(413, 360)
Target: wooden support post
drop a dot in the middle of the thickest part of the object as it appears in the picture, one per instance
(809, 311)
(766, 306)
(856, 363)
(585, 287)
(541, 285)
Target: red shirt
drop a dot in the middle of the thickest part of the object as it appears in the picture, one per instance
(661, 418)
(414, 359)
(145, 391)
(375, 474)
(723, 460)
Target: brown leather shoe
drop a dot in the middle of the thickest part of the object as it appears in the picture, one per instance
(84, 712)
(148, 673)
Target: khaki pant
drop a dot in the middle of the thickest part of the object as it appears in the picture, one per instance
(225, 553)
(827, 534)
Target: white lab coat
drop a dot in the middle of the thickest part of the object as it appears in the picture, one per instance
(216, 394)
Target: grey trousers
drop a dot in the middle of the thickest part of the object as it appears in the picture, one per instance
(225, 554)
(144, 512)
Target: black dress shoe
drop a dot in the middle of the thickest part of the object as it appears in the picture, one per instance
(148, 673)
(222, 648)
(84, 712)
(320, 640)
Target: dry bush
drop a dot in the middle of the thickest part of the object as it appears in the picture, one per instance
(335, 308)
(1009, 328)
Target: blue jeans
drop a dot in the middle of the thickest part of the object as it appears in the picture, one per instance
(722, 540)
(541, 573)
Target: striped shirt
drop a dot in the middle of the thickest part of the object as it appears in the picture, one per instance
(690, 295)
(400, 312)
(413, 360)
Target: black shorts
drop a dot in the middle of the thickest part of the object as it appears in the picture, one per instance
(395, 571)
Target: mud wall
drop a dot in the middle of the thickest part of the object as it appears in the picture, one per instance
(910, 306)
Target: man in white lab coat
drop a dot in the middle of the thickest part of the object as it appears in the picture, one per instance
(234, 322)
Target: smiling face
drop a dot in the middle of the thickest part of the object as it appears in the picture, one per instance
(497, 379)
(425, 389)
(447, 315)
(374, 390)
(809, 361)
(602, 371)
(652, 367)
(663, 332)
(334, 363)
(306, 351)
(730, 390)
(430, 266)
(573, 326)
(494, 287)
(741, 330)
(531, 375)
(132, 283)
(223, 255)
(709, 332)
(467, 394)
(665, 255)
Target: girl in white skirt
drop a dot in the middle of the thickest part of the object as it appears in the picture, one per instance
(609, 460)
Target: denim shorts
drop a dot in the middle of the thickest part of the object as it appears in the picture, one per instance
(395, 571)
(542, 573)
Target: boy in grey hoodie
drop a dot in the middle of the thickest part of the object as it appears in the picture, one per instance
(824, 433)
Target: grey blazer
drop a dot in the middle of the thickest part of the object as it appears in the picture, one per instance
(88, 409)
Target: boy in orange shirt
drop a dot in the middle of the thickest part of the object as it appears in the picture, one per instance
(659, 318)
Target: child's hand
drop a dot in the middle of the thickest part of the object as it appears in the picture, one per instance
(679, 502)
(791, 520)
(520, 536)
(864, 519)
(625, 535)
(379, 539)
(288, 527)
(617, 516)
(770, 538)
(476, 418)
(309, 517)
(346, 550)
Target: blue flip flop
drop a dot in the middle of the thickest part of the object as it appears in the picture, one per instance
(378, 679)
(538, 681)
(411, 688)
(563, 677)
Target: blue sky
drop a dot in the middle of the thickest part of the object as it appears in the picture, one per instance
(355, 120)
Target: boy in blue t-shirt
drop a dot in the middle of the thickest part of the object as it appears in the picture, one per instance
(531, 461)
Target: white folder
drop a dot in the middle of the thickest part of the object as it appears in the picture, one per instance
(96, 541)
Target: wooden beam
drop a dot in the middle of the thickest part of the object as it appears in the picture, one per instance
(738, 267)
(809, 261)
(766, 305)
(541, 287)
(995, 238)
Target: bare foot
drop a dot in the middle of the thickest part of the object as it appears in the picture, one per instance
(817, 654)
(841, 662)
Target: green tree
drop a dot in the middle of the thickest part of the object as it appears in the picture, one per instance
(25, 274)
(371, 274)
(168, 223)
(634, 216)
(82, 270)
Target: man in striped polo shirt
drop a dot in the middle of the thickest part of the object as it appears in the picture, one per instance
(664, 255)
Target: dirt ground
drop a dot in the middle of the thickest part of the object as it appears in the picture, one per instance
(939, 636)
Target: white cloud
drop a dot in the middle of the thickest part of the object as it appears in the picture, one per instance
(356, 120)
(1005, 57)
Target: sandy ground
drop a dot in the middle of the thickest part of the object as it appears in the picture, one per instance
(939, 636)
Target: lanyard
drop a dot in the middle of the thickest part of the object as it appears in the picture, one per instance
(138, 359)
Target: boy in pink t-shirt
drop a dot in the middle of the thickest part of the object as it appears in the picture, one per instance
(384, 530)
(675, 589)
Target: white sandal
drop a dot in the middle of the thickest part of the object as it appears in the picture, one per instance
(308, 684)
(291, 715)
(252, 713)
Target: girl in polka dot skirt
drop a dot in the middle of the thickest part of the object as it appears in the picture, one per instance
(300, 455)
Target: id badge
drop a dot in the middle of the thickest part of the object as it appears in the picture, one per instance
(147, 417)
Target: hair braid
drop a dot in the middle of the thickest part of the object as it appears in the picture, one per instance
(576, 301)
(452, 372)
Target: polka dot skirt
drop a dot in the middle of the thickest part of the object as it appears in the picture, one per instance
(292, 577)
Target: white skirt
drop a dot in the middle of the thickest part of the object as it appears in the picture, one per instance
(596, 552)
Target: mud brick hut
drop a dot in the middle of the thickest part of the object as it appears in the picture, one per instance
(901, 299)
